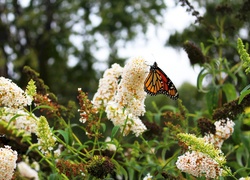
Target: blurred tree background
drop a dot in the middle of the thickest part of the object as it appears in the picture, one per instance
(61, 39)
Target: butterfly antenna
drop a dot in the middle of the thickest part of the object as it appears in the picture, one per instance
(153, 57)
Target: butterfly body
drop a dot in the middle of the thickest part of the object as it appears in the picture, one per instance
(157, 82)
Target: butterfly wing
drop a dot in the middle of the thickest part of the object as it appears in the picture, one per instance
(157, 82)
(152, 84)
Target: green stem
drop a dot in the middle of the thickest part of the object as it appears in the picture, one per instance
(97, 135)
(73, 150)
(52, 165)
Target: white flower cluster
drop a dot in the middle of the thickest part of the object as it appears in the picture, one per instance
(11, 95)
(148, 177)
(26, 171)
(124, 100)
(12, 107)
(19, 119)
(8, 159)
(224, 129)
(244, 178)
(107, 86)
(110, 145)
(198, 164)
(12, 110)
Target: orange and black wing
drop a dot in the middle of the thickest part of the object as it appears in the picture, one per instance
(157, 82)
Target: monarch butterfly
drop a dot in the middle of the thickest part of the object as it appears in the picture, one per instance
(157, 82)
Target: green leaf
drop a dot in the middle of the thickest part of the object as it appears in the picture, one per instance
(42, 107)
(65, 135)
(155, 106)
(55, 176)
(240, 155)
(229, 91)
(149, 115)
(242, 76)
(243, 94)
(212, 99)
(104, 127)
(114, 131)
(157, 117)
(14, 118)
(120, 170)
(200, 79)
(168, 107)
(245, 88)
